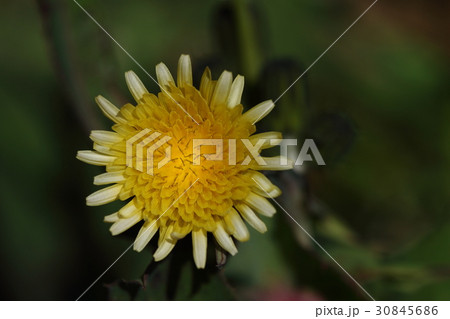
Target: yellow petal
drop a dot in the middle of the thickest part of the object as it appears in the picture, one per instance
(206, 85)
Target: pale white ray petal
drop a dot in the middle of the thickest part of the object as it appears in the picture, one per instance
(146, 233)
(276, 163)
(109, 178)
(270, 139)
(106, 150)
(129, 210)
(177, 236)
(275, 192)
(111, 218)
(104, 196)
(259, 111)
(95, 158)
(109, 109)
(251, 218)
(260, 204)
(234, 97)
(184, 74)
(199, 244)
(135, 85)
(165, 233)
(264, 186)
(124, 224)
(105, 137)
(222, 89)
(164, 76)
(164, 249)
(224, 239)
(234, 221)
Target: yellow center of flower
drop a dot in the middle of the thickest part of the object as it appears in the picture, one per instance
(216, 183)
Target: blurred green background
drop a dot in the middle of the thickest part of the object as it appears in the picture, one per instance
(377, 105)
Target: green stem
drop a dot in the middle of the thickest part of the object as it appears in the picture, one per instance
(250, 58)
(58, 38)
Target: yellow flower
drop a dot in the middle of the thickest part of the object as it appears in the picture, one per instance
(187, 195)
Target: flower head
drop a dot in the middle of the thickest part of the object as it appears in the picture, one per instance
(207, 187)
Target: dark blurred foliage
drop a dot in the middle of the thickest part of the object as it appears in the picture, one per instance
(377, 105)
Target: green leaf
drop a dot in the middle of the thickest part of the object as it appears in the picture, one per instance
(431, 251)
